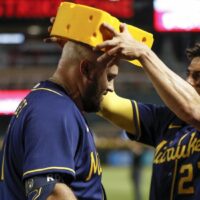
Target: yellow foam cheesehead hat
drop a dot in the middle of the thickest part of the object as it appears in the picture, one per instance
(82, 23)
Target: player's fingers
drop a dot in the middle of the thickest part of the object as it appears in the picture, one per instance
(103, 57)
(59, 41)
(51, 39)
(114, 51)
(112, 61)
(109, 28)
(49, 29)
(47, 40)
(111, 53)
(107, 43)
(52, 19)
(122, 27)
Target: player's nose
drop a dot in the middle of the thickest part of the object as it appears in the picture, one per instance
(190, 80)
(110, 87)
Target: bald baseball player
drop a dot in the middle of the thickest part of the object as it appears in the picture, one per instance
(49, 151)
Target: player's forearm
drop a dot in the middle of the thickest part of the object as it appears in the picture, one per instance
(119, 111)
(177, 94)
(62, 192)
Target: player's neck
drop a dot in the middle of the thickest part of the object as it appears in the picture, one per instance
(54, 79)
(71, 91)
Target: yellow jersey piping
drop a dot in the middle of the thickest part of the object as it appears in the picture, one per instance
(48, 168)
(46, 89)
(2, 167)
(137, 119)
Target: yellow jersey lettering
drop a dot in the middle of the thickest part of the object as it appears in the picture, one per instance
(197, 148)
(192, 144)
(171, 154)
(183, 152)
(95, 167)
(164, 153)
(159, 153)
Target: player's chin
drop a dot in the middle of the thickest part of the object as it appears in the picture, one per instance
(92, 109)
(92, 106)
(96, 105)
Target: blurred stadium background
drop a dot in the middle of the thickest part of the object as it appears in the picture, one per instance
(25, 60)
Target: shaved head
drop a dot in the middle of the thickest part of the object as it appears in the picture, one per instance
(84, 78)
(74, 52)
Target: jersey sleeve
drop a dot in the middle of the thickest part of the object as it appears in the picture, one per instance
(150, 121)
(50, 138)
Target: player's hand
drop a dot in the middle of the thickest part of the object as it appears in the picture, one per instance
(121, 44)
(58, 40)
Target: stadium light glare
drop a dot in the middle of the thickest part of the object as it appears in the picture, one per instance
(12, 38)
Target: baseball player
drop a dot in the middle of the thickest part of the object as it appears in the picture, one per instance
(49, 151)
(174, 129)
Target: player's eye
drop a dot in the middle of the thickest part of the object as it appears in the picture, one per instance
(110, 77)
(196, 76)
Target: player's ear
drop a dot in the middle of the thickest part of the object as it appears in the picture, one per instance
(86, 69)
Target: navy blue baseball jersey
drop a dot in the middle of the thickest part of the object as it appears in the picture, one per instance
(48, 134)
(176, 164)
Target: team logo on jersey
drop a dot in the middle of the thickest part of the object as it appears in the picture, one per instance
(166, 153)
(29, 185)
(95, 167)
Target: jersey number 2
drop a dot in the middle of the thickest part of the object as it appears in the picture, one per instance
(184, 185)
(184, 182)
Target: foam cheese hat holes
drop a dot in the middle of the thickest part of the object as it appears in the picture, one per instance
(82, 23)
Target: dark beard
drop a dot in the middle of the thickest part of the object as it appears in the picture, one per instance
(91, 106)
(91, 99)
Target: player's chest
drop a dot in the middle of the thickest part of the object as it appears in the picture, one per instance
(177, 163)
(178, 144)
(87, 159)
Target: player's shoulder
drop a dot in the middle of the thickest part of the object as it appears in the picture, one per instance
(48, 95)
(159, 110)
